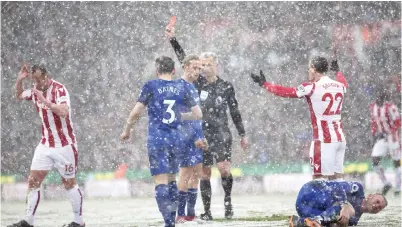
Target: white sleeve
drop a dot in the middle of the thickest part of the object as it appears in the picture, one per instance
(393, 112)
(62, 96)
(305, 89)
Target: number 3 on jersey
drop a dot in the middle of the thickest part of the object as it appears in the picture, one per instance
(170, 104)
(338, 97)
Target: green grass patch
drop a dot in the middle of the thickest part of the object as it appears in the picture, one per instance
(274, 217)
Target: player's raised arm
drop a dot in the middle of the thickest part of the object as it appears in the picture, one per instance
(19, 88)
(287, 92)
(169, 32)
(339, 75)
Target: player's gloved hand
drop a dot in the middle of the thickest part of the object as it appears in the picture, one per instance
(334, 66)
(260, 80)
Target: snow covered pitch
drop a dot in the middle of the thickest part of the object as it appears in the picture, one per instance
(256, 211)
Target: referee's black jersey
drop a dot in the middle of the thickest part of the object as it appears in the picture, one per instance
(216, 98)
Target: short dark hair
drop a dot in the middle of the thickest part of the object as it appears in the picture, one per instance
(164, 64)
(187, 60)
(320, 64)
(40, 67)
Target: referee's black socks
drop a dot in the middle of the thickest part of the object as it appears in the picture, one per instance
(227, 183)
(205, 187)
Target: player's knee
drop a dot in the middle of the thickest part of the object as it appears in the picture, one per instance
(225, 172)
(185, 175)
(34, 181)
(397, 163)
(206, 175)
(69, 183)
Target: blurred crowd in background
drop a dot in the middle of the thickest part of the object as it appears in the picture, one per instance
(103, 52)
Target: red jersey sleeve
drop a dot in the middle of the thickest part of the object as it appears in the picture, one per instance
(341, 79)
(287, 92)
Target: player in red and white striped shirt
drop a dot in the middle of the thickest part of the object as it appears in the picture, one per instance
(385, 128)
(324, 97)
(57, 147)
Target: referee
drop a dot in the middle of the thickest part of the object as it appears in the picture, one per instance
(216, 96)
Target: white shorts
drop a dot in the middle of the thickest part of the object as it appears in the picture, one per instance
(64, 159)
(385, 145)
(327, 158)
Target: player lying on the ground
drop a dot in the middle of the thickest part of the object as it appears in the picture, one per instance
(165, 98)
(386, 132)
(324, 97)
(334, 204)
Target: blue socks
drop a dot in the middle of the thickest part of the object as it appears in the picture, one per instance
(162, 196)
(174, 197)
(191, 200)
(182, 203)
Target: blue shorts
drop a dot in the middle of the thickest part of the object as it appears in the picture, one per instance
(163, 158)
(190, 155)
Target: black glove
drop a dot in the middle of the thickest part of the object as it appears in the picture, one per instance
(334, 66)
(259, 79)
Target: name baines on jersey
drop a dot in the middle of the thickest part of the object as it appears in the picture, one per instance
(165, 99)
(324, 98)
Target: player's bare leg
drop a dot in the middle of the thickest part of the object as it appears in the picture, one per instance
(184, 178)
(34, 182)
(380, 172)
(206, 192)
(193, 191)
(227, 183)
(76, 199)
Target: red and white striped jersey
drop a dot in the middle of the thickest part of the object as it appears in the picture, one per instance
(56, 131)
(385, 119)
(324, 98)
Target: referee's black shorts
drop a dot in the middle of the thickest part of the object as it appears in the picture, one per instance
(220, 146)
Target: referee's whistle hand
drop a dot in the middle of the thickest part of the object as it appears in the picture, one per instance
(244, 143)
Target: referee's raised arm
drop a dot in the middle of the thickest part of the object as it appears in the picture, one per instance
(169, 32)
